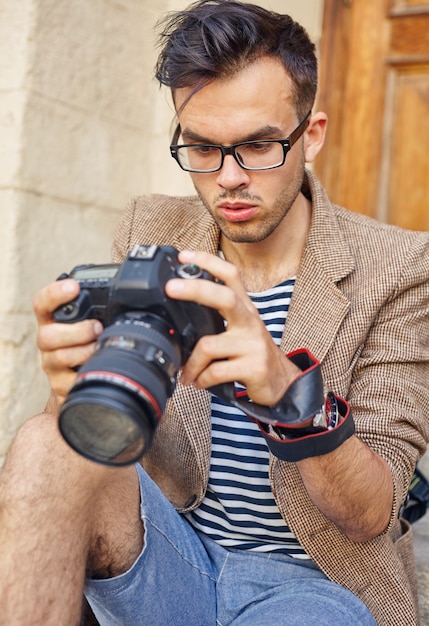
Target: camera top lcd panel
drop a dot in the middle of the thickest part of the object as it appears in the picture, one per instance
(109, 289)
(138, 284)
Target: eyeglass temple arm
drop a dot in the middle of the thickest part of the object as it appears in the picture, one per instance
(299, 130)
(176, 135)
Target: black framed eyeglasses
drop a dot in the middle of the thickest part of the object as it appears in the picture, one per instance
(262, 154)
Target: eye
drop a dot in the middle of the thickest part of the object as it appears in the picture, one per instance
(256, 149)
(202, 150)
(260, 146)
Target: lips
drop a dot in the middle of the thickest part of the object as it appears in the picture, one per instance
(237, 211)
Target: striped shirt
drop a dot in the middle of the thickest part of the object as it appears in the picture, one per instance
(238, 510)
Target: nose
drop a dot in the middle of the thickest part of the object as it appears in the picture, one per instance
(231, 175)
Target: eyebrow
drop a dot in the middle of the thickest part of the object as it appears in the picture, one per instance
(265, 132)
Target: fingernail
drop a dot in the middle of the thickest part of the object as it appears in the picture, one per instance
(182, 378)
(187, 255)
(175, 287)
(68, 287)
(98, 328)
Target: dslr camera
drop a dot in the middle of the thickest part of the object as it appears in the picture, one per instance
(116, 403)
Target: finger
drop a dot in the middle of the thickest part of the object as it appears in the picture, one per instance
(253, 360)
(66, 359)
(219, 268)
(55, 336)
(61, 365)
(228, 297)
(208, 350)
(48, 299)
(61, 386)
(227, 350)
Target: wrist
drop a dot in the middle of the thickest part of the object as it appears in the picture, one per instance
(296, 444)
(304, 423)
(307, 423)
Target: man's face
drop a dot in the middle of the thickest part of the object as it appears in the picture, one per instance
(257, 103)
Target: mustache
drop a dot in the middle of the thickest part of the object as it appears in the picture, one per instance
(237, 194)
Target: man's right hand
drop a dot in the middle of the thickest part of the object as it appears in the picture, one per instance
(63, 347)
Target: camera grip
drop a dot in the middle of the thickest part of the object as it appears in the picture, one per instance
(75, 310)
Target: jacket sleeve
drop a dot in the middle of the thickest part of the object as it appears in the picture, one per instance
(389, 387)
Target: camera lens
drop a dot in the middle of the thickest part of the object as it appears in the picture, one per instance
(110, 415)
(107, 432)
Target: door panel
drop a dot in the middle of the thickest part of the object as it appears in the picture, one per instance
(405, 186)
(375, 89)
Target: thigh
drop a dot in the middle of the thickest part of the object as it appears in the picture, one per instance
(172, 580)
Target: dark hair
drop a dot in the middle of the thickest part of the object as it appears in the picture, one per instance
(214, 39)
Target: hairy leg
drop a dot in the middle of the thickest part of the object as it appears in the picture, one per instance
(59, 514)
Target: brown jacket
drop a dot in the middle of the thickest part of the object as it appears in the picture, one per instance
(361, 306)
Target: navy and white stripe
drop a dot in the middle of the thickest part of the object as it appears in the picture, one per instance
(238, 510)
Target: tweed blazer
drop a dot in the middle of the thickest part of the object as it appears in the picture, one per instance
(361, 306)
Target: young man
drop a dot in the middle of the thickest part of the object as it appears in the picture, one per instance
(229, 523)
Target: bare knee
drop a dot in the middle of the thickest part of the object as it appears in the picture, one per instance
(43, 475)
(43, 478)
(39, 459)
(39, 435)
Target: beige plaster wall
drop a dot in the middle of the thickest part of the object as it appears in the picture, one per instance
(83, 127)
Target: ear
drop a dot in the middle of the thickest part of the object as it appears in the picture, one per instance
(314, 136)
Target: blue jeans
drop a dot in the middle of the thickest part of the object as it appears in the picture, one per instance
(181, 578)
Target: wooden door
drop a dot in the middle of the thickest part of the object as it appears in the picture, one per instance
(374, 85)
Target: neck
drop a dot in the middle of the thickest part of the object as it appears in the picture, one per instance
(267, 263)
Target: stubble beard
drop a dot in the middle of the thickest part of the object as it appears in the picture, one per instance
(249, 232)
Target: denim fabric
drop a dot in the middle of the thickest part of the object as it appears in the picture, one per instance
(181, 578)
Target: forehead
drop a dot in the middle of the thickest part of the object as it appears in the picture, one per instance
(228, 109)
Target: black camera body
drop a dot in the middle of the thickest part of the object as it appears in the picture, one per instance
(120, 393)
(136, 286)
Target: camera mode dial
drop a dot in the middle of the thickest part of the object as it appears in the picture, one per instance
(189, 270)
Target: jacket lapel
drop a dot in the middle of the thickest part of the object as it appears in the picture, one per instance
(318, 305)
